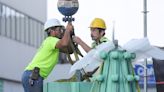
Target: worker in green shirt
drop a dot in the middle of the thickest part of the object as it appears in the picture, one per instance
(47, 55)
(97, 28)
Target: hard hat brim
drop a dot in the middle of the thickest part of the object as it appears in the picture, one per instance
(53, 26)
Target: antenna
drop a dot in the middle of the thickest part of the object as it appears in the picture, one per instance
(113, 31)
(115, 41)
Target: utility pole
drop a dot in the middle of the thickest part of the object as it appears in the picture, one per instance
(145, 35)
(145, 18)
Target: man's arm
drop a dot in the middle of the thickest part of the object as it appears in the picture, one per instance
(82, 44)
(65, 39)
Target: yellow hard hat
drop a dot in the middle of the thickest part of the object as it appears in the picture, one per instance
(98, 23)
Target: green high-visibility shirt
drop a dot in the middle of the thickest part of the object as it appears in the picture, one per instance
(94, 44)
(46, 57)
(102, 39)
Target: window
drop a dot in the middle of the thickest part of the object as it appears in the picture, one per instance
(20, 27)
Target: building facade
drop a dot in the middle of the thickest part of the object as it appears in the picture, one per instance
(21, 33)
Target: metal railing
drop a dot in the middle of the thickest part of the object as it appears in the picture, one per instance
(20, 26)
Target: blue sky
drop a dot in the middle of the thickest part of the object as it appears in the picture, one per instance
(127, 15)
